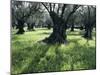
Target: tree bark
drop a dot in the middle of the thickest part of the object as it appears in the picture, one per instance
(57, 36)
(20, 27)
(31, 26)
(49, 26)
(88, 32)
(20, 31)
(59, 31)
(72, 27)
(59, 24)
(88, 27)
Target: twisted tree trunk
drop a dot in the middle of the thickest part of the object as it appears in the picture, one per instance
(59, 31)
(59, 23)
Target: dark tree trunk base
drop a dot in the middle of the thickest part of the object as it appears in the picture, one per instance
(72, 30)
(31, 29)
(87, 36)
(55, 39)
(88, 33)
(20, 31)
(58, 36)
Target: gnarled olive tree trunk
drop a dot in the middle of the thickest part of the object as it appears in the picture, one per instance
(59, 31)
(59, 22)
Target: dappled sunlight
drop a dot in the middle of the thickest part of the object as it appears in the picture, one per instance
(30, 56)
(52, 37)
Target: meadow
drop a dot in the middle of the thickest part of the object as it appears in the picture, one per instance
(28, 55)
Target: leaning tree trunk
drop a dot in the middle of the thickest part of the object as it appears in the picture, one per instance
(59, 31)
(20, 27)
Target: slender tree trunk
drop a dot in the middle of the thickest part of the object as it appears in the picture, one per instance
(72, 23)
(29, 27)
(72, 28)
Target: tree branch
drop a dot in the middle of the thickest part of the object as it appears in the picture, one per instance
(53, 7)
(63, 9)
(58, 9)
(50, 6)
(45, 6)
(75, 7)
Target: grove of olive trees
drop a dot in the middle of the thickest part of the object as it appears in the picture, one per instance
(49, 37)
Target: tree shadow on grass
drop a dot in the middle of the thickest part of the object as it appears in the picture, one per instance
(82, 57)
(28, 56)
(51, 58)
(45, 61)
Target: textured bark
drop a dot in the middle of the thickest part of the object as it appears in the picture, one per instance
(59, 31)
(57, 36)
(59, 24)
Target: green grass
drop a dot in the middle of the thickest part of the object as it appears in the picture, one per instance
(30, 56)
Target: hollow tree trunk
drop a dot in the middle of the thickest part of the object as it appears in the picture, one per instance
(20, 27)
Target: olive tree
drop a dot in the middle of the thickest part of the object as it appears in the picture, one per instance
(60, 15)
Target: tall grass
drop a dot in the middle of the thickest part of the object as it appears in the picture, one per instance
(30, 56)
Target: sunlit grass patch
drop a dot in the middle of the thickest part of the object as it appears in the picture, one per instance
(31, 56)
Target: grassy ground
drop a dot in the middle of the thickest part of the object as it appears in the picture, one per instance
(29, 56)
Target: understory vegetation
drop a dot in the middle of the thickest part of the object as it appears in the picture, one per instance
(29, 55)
